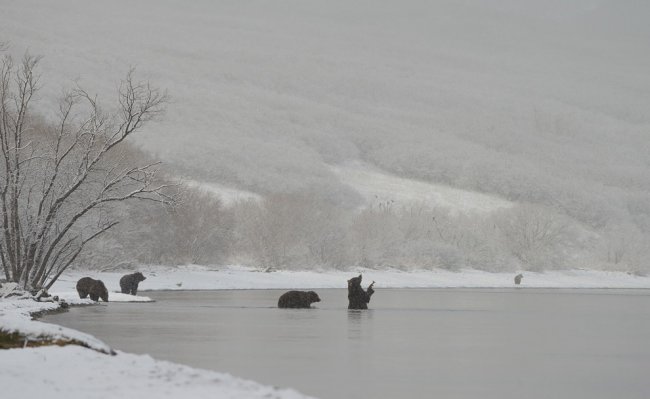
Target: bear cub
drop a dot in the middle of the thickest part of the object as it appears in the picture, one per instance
(95, 288)
(298, 299)
(129, 283)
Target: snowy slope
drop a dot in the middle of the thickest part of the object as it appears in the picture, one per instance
(267, 94)
(376, 186)
(228, 195)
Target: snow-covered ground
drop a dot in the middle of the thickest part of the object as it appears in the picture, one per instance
(77, 372)
(376, 186)
(194, 277)
(269, 93)
(74, 372)
(15, 316)
(228, 195)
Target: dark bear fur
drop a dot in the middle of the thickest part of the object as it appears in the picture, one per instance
(298, 299)
(95, 288)
(518, 278)
(129, 283)
(357, 297)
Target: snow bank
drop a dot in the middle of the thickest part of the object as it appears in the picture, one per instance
(73, 298)
(73, 372)
(77, 372)
(195, 277)
(15, 316)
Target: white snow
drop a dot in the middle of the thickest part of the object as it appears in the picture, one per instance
(228, 195)
(73, 298)
(195, 277)
(267, 93)
(15, 316)
(376, 186)
(73, 372)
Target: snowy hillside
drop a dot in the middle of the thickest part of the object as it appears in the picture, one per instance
(471, 106)
(376, 187)
(541, 102)
(228, 195)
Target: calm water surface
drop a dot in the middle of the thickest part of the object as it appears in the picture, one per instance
(413, 343)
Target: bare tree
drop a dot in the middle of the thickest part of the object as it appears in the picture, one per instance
(57, 178)
(535, 235)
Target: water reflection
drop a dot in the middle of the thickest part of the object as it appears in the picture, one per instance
(358, 316)
(299, 314)
(358, 323)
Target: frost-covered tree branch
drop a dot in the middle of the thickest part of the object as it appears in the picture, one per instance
(56, 177)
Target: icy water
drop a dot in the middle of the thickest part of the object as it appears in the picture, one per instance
(413, 343)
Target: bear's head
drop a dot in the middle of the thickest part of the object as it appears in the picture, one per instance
(139, 276)
(313, 297)
(355, 282)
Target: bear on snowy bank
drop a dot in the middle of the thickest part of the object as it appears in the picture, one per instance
(298, 299)
(518, 278)
(95, 288)
(129, 283)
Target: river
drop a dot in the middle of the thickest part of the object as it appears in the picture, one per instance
(412, 343)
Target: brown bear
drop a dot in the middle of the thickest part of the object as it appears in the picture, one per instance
(357, 297)
(518, 278)
(95, 288)
(129, 283)
(298, 299)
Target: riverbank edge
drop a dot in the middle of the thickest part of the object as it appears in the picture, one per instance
(19, 316)
(233, 277)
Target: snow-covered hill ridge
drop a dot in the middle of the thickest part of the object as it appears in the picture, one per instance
(228, 195)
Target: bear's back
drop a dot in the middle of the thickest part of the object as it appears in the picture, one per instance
(295, 299)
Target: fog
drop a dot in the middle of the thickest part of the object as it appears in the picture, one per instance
(544, 106)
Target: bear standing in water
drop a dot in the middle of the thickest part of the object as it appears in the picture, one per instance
(357, 296)
(95, 288)
(298, 299)
(129, 283)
